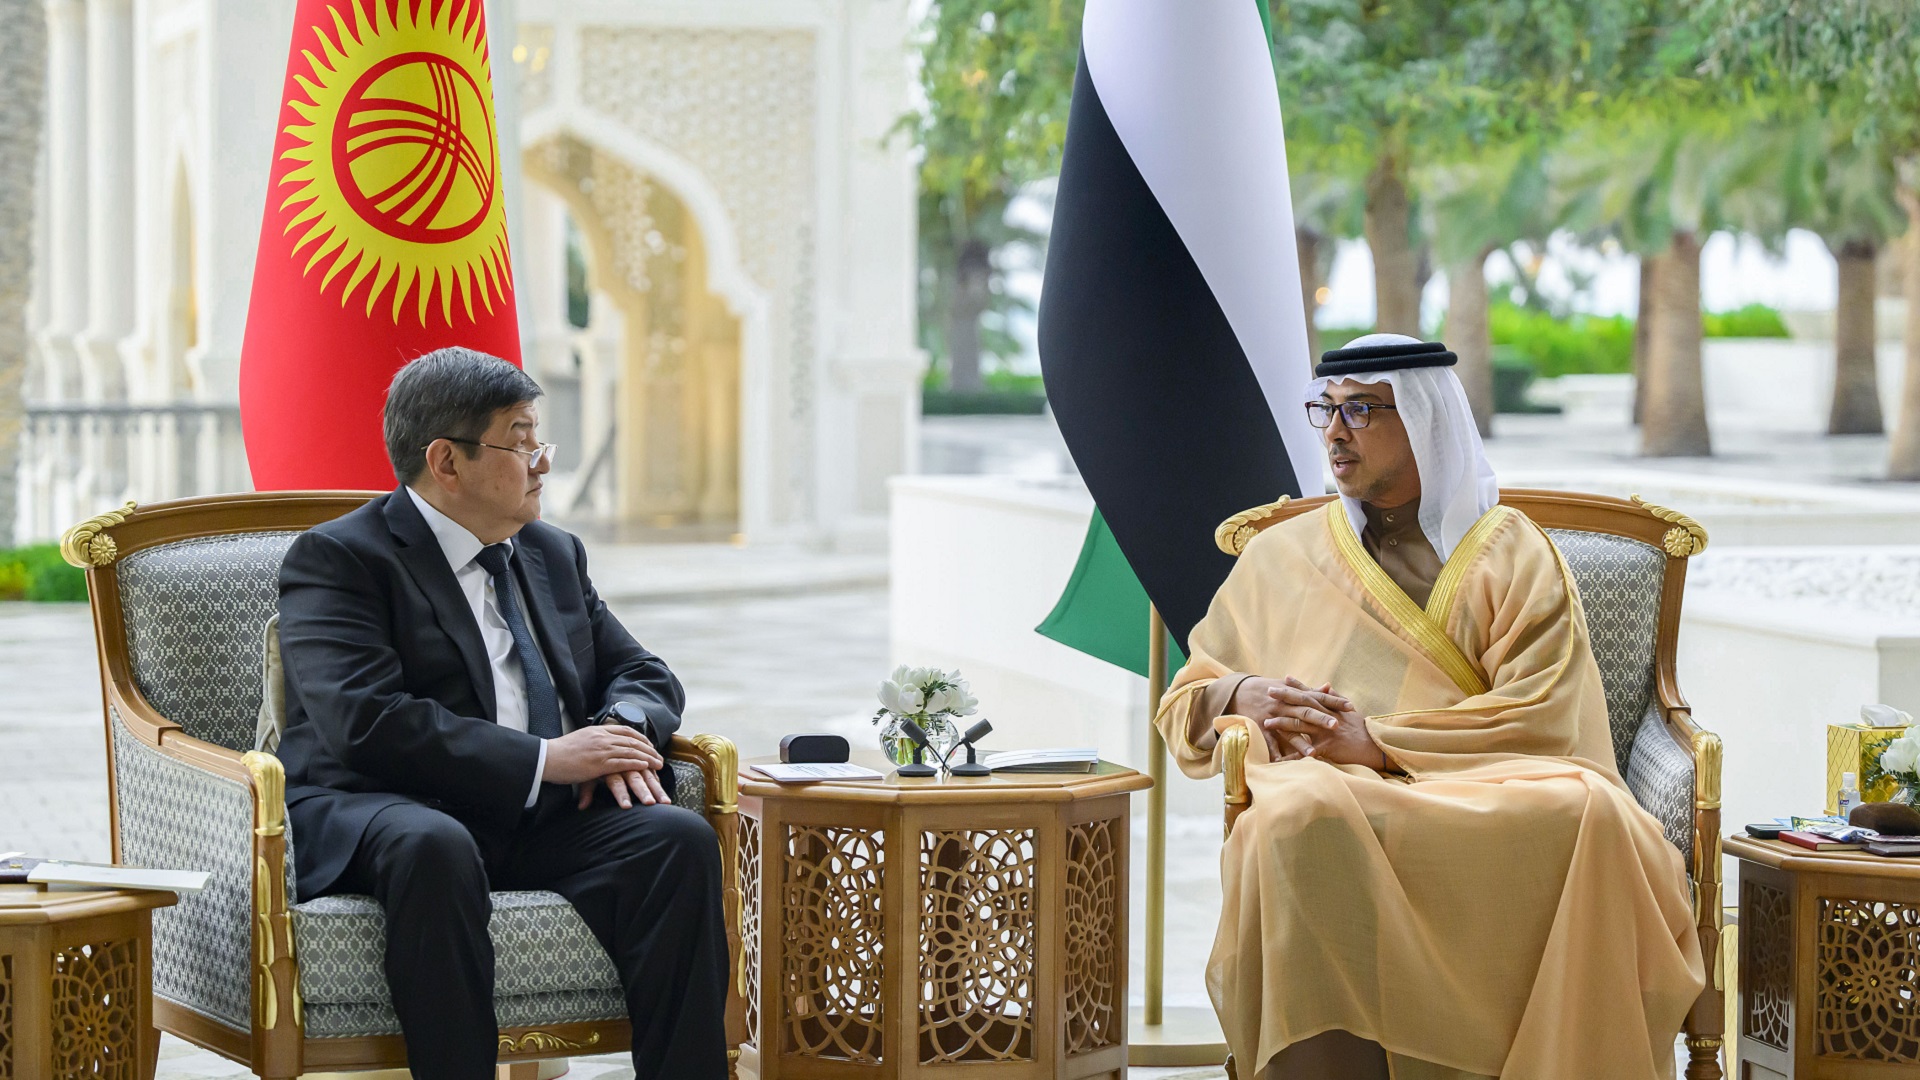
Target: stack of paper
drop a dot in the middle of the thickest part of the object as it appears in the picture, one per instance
(1075, 759)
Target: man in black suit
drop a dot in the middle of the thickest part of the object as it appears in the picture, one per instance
(465, 714)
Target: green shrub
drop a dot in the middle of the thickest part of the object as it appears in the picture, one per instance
(1579, 345)
(1754, 320)
(37, 572)
(982, 403)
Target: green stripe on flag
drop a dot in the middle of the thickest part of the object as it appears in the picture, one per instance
(1103, 611)
(1266, 21)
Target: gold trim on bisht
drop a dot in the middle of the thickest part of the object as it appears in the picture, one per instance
(1686, 539)
(1234, 533)
(88, 545)
(538, 1042)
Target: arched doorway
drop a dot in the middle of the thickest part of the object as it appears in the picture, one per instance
(656, 403)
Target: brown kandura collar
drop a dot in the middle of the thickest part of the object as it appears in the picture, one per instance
(1392, 522)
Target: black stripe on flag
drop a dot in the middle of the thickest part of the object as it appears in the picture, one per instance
(1151, 389)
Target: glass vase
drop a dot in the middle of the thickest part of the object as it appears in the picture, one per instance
(1906, 795)
(899, 749)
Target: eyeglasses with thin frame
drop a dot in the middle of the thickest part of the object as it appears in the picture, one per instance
(536, 457)
(1352, 413)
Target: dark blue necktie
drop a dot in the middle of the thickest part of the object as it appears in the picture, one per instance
(543, 705)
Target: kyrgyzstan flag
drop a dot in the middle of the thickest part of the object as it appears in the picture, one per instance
(385, 234)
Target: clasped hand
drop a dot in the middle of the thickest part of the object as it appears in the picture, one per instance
(613, 754)
(1300, 721)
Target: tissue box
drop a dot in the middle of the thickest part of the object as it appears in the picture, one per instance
(1851, 748)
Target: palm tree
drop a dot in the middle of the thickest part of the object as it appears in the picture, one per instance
(1662, 178)
(23, 57)
(1853, 209)
(1480, 206)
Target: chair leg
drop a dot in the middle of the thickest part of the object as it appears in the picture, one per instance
(1703, 1058)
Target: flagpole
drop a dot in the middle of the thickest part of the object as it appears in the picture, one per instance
(1156, 822)
(1159, 1036)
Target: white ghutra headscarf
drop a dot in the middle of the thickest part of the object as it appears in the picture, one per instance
(1457, 484)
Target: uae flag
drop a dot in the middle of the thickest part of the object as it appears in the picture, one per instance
(385, 234)
(1172, 336)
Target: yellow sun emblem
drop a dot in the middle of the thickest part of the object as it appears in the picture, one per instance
(397, 165)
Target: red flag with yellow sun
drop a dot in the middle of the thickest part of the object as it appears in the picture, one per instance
(385, 233)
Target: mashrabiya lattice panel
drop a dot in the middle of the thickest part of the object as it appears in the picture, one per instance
(1093, 984)
(832, 963)
(6, 1017)
(95, 1012)
(976, 945)
(750, 922)
(1867, 962)
(1766, 964)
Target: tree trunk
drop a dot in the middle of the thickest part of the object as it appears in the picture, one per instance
(1306, 245)
(1396, 271)
(1469, 337)
(23, 56)
(972, 275)
(1856, 384)
(1675, 423)
(1642, 328)
(1904, 457)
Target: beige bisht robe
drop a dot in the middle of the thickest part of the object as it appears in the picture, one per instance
(1506, 908)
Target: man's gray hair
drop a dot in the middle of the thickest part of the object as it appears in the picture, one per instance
(449, 393)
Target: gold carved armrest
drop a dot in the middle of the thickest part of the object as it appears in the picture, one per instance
(1233, 769)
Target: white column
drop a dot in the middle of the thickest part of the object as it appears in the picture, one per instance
(66, 273)
(110, 193)
(870, 407)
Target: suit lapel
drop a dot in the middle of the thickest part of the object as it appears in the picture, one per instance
(538, 590)
(421, 554)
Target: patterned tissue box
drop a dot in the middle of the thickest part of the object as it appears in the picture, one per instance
(1855, 748)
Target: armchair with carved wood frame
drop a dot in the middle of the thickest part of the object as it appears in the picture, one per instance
(180, 593)
(1629, 559)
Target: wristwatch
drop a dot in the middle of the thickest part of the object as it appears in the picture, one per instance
(626, 712)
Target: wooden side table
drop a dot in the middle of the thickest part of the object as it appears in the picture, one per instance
(947, 926)
(1829, 963)
(76, 983)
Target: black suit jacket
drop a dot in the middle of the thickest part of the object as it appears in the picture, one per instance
(389, 690)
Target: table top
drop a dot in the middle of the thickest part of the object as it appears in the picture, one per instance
(1105, 779)
(1784, 856)
(30, 905)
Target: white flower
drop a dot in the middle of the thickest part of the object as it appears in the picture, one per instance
(901, 698)
(961, 700)
(1902, 754)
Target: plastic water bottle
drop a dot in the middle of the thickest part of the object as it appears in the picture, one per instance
(1849, 794)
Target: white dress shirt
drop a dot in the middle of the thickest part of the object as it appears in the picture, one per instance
(509, 680)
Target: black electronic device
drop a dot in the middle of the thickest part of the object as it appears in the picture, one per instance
(971, 767)
(921, 744)
(813, 748)
(1768, 831)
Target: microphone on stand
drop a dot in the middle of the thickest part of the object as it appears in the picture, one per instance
(918, 736)
(972, 767)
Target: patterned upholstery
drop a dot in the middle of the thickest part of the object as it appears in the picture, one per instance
(339, 1020)
(540, 948)
(174, 816)
(193, 611)
(1619, 582)
(1660, 774)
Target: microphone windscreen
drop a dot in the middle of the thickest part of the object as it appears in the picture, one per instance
(977, 732)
